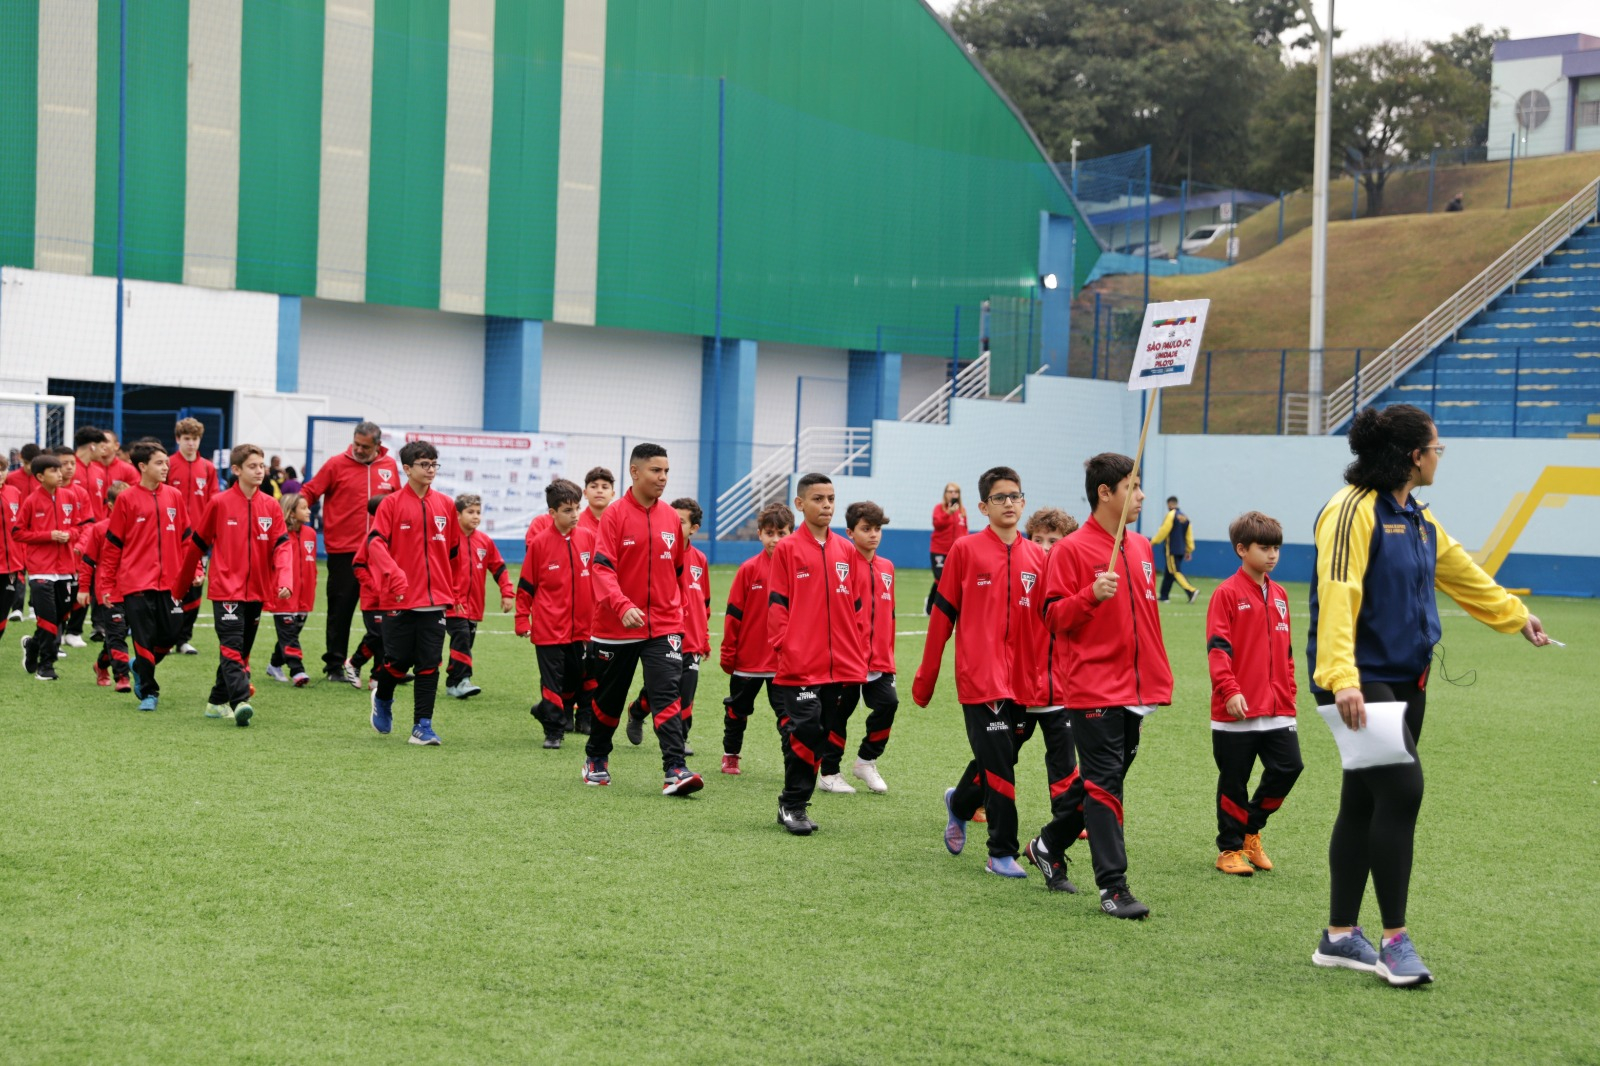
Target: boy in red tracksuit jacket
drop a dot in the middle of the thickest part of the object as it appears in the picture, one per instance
(483, 560)
(555, 610)
(864, 522)
(817, 594)
(747, 656)
(987, 596)
(638, 620)
(111, 665)
(195, 478)
(1109, 670)
(696, 586)
(49, 525)
(140, 566)
(12, 566)
(416, 553)
(79, 504)
(1251, 656)
(252, 562)
(289, 617)
(370, 650)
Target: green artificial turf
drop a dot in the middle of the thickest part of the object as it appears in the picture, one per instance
(178, 889)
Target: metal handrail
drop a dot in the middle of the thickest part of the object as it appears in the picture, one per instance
(742, 500)
(972, 382)
(1014, 393)
(1447, 319)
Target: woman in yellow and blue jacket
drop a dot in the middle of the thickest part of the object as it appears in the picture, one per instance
(1380, 554)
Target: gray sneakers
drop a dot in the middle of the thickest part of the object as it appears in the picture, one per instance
(1354, 952)
(1400, 965)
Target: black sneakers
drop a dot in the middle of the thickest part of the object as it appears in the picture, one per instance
(795, 821)
(635, 726)
(1119, 903)
(1055, 873)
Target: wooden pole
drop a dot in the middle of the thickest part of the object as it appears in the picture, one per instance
(1149, 409)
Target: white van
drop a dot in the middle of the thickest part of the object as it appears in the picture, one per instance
(1205, 235)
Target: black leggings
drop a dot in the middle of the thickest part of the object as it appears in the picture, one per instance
(1377, 822)
(936, 564)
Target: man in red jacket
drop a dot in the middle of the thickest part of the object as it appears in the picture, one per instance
(142, 564)
(864, 522)
(344, 484)
(638, 569)
(1110, 670)
(988, 598)
(1251, 656)
(555, 610)
(251, 560)
(195, 478)
(414, 552)
(111, 665)
(818, 593)
(746, 654)
(696, 582)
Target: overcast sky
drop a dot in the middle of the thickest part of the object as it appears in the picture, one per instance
(1368, 21)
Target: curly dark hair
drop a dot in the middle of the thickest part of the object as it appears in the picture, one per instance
(1382, 442)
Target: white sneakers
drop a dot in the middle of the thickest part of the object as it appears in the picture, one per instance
(867, 773)
(72, 640)
(277, 674)
(835, 783)
(188, 649)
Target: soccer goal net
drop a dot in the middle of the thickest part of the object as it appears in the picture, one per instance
(25, 418)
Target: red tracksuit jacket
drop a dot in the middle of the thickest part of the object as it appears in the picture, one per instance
(251, 557)
(745, 647)
(144, 543)
(119, 469)
(41, 515)
(90, 479)
(947, 529)
(696, 601)
(1104, 654)
(22, 482)
(345, 485)
(94, 546)
(1249, 648)
(638, 562)
(415, 548)
(11, 553)
(196, 482)
(879, 612)
(368, 582)
(483, 559)
(989, 596)
(817, 594)
(302, 573)
(555, 597)
(588, 522)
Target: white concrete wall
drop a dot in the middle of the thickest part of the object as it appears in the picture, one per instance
(1046, 440)
(1511, 80)
(920, 375)
(277, 422)
(610, 389)
(824, 396)
(65, 326)
(393, 365)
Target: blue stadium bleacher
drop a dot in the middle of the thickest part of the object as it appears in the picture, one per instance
(1528, 365)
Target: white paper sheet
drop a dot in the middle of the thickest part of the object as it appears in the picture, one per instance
(1381, 743)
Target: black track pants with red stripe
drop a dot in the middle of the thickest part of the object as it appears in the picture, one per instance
(286, 650)
(802, 712)
(10, 584)
(237, 624)
(153, 621)
(662, 660)
(882, 701)
(52, 602)
(990, 779)
(463, 631)
(561, 680)
(1093, 799)
(739, 704)
(412, 641)
(191, 611)
(1060, 761)
(688, 685)
(1238, 812)
(111, 622)
(371, 647)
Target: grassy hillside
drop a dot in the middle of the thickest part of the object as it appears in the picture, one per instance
(1384, 274)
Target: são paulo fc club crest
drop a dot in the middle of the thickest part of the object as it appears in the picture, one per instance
(1149, 572)
(696, 572)
(1028, 581)
(385, 475)
(172, 514)
(481, 553)
(438, 523)
(888, 582)
(669, 539)
(585, 557)
(1283, 608)
(230, 612)
(675, 642)
(66, 509)
(199, 485)
(843, 570)
(265, 522)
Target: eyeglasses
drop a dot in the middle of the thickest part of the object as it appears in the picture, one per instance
(426, 464)
(1006, 497)
(1439, 448)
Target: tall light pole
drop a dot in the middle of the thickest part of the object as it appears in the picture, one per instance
(1319, 218)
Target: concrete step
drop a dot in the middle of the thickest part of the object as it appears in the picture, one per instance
(1531, 334)
(1565, 315)
(1546, 301)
